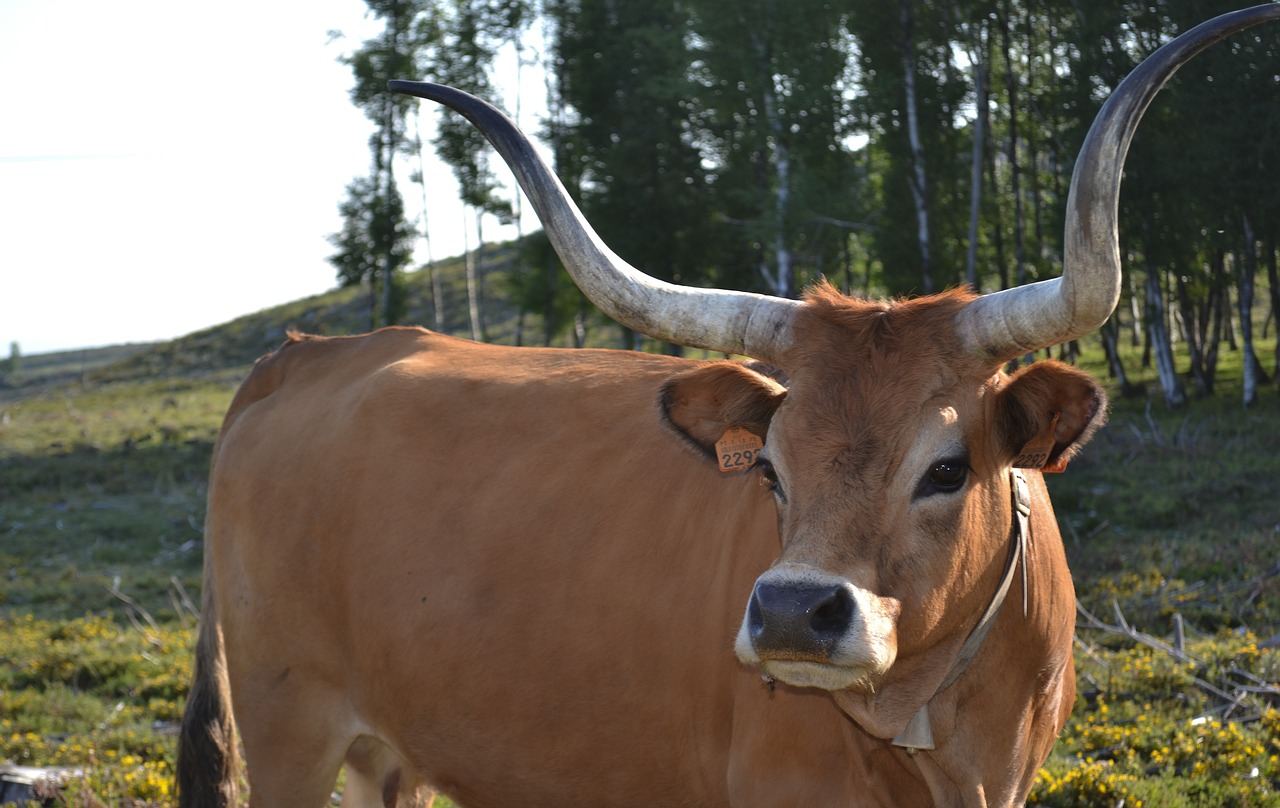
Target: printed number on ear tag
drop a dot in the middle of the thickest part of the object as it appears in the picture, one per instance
(1035, 454)
(737, 449)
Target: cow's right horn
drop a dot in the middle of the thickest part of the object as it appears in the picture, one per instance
(718, 320)
(1002, 325)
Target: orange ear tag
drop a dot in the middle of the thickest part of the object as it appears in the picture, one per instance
(1056, 467)
(1035, 455)
(737, 449)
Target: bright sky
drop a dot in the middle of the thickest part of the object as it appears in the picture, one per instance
(168, 166)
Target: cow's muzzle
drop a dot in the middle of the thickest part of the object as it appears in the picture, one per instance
(799, 622)
(808, 628)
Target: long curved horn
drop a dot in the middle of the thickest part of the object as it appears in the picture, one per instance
(718, 320)
(1002, 325)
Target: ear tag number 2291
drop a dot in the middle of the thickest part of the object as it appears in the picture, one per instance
(737, 449)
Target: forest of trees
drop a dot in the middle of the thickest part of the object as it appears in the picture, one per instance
(893, 146)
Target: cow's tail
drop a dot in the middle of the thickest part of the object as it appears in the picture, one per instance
(208, 760)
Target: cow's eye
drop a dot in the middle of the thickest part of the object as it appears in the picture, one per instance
(769, 477)
(947, 476)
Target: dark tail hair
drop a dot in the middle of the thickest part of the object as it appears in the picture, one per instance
(208, 760)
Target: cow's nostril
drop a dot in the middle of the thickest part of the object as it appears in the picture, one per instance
(833, 615)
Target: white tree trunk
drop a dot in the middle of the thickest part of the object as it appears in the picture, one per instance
(780, 158)
(1174, 392)
(975, 170)
(1248, 266)
(437, 286)
(473, 283)
(917, 181)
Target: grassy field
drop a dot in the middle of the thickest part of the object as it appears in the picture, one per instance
(1170, 518)
(1171, 521)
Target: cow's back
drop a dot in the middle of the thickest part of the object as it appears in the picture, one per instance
(505, 566)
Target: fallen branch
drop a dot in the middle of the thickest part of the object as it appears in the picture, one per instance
(183, 597)
(1231, 699)
(1124, 629)
(134, 611)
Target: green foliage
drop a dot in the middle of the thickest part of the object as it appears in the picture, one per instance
(374, 246)
(1148, 736)
(543, 286)
(882, 43)
(376, 242)
(786, 195)
(625, 71)
(410, 26)
(471, 31)
(760, 146)
(97, 697)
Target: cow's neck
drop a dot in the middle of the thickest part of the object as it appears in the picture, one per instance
(903, 715)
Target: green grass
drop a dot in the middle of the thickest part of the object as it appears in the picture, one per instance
(1154, 736)
(1194, 495)
(1174, 515)
(98, 697)
(103, 490)
(103, 467)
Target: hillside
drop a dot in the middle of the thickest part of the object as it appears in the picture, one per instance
(40, 372)
(235, 345)
(231, 348)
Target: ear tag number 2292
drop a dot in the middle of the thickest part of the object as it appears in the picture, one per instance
(1035, 455)
(737, 449)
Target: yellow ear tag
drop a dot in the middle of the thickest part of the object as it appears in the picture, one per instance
(1035, 455)
(737, 449)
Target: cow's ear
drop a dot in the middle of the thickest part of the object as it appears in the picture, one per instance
(1048, 408)
(703, 403)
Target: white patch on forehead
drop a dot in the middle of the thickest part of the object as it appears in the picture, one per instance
(939, 437)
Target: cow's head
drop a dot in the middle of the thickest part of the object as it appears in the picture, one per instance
(889, 457)
(889, 450)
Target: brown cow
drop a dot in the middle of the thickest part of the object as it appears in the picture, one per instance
(517, 576)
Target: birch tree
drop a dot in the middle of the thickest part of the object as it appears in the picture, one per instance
(472, 31)
(917, 182)
(626, 138)
(978, 57)
(771, 75)
(375, 243)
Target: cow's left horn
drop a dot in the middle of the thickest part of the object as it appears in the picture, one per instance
(715, 319)
(1004, 324)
